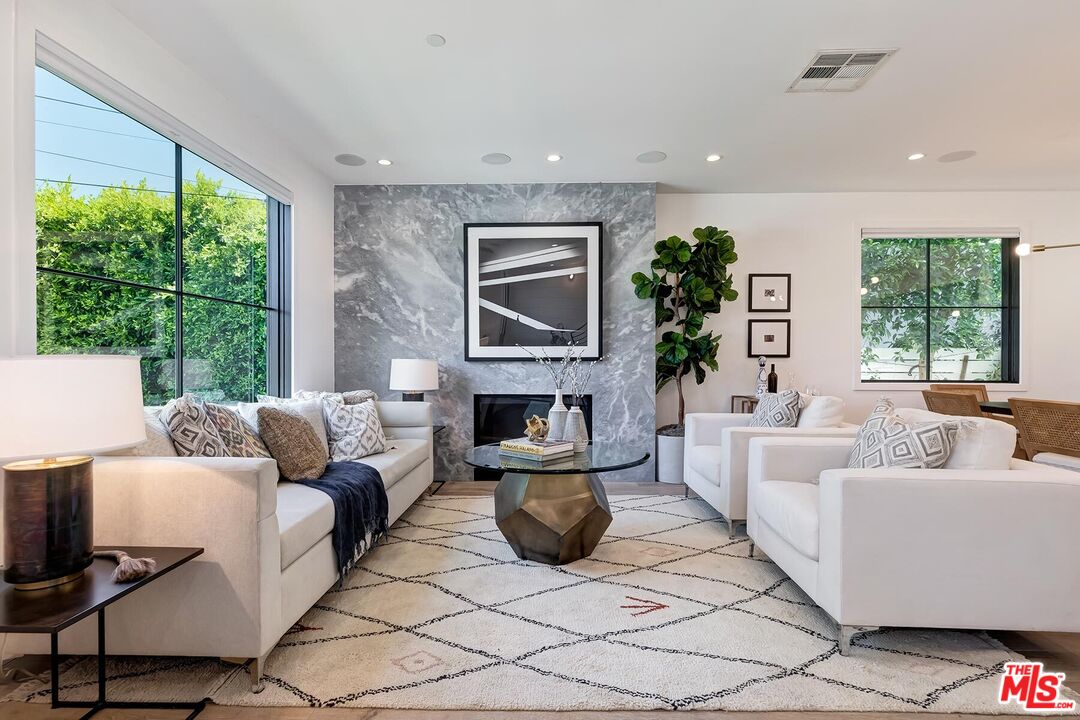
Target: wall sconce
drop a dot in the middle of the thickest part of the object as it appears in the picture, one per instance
(1025, 249)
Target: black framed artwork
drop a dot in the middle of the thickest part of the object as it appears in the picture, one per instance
(769, 292)
(771, 338)
(533, 288)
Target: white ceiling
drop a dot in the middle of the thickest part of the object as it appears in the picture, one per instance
(600, 81)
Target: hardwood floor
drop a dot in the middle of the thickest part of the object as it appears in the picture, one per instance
(1060, 652)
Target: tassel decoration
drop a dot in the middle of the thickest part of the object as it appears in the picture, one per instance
(127, 567)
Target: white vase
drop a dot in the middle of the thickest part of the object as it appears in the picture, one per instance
(575, 430)
(669, 458)
(557, 417)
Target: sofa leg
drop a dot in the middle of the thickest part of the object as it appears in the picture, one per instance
(846, 633)
(255, 670)
(751, 548)
(686, 491)
(731, 525)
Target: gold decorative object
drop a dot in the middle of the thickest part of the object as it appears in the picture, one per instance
(536, 429)
(552, 519)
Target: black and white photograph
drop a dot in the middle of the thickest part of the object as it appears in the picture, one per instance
(532, 288)
(769, 338)
(769, 292)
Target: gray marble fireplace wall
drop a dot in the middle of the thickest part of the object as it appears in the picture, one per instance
(399, 273)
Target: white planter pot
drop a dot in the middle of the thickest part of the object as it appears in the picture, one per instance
(669, 459)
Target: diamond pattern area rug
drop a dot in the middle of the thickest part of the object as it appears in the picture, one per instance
(667, 613)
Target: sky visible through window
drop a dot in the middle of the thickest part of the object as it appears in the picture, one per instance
(80, 137)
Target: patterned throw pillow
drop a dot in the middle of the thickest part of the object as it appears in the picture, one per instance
(887, 440)
(292, 442)
(193, 432)
(354, 431)
(777, 410)
(240, 440)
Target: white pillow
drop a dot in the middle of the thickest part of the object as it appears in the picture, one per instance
(310, 410)
(820, 411)
(989, 445)
(158, 441)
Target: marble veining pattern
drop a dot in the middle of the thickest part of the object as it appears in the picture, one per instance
(399, 292)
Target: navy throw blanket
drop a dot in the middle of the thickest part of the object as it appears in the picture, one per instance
(361, 509)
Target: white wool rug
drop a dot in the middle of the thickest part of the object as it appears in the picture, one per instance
(667, 613)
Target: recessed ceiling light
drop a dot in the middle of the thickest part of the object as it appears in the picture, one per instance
(495, 159)
(436, 40)
(713, 158)
(349, 159)
(957, 156)
(384, 161)
(652, 156)
(916, 156)
(554, 157)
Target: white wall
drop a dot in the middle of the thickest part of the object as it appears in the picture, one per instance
(814, 237)
(106, 40)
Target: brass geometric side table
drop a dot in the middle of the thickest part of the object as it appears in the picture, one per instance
(555, 513)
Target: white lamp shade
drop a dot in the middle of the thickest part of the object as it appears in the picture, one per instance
(414, 375)
(52, 405)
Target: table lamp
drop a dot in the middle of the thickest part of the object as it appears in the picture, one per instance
(414, 377)
(54, 410)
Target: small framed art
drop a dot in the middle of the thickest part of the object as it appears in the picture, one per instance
(770, 293)
(771, 338)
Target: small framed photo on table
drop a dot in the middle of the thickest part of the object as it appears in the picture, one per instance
(771, 338)
(769, 293)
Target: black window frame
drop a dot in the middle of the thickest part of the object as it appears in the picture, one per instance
(278, 275)
(1009, 307)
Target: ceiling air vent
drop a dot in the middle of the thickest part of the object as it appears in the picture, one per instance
(839, 70)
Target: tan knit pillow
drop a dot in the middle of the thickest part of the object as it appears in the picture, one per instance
(293, 443)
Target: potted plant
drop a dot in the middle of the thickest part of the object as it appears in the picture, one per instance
(688, 283)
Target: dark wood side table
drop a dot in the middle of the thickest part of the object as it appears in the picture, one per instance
(743, 403)
(54, 609)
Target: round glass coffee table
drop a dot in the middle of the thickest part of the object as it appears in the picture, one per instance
(555, 512)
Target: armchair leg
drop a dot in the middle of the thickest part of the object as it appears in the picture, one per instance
(846, 633)
(255, 670)
(731, 525)
(686, 491)
(751, 548)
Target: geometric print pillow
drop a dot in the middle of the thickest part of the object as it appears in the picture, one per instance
(886, 440)
(193, 432)
(777, 410)
(239, 439)
(354, 431)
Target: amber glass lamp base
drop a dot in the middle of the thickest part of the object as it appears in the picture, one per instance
(48, 521)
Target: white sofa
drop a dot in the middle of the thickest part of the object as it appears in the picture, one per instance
(268, 555)
(948, 548)
(716, 447)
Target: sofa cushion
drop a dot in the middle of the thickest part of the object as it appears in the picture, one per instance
(820, 411)
(705, 461)
(1065, 462)
(985, 444)
(240, 439)
(354, 431)
(305, 515)
(888, 440)
(402, 456)
(791, 510)
(191, 428)
(292, 442)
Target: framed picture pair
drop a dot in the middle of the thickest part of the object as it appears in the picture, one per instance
(769, 293)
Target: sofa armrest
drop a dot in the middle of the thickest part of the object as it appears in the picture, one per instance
(735, 457)
(406, 419)
(950, 548)
(706, 428)
(228, 507)
(247, 485)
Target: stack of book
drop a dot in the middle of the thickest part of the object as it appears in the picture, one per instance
(543, 452)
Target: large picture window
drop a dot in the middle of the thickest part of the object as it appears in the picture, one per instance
(146, 248)
(940, 308)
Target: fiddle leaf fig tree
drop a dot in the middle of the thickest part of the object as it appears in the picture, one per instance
(687, 283)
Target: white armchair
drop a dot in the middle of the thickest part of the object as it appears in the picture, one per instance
(974, 549)
(715, 453)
